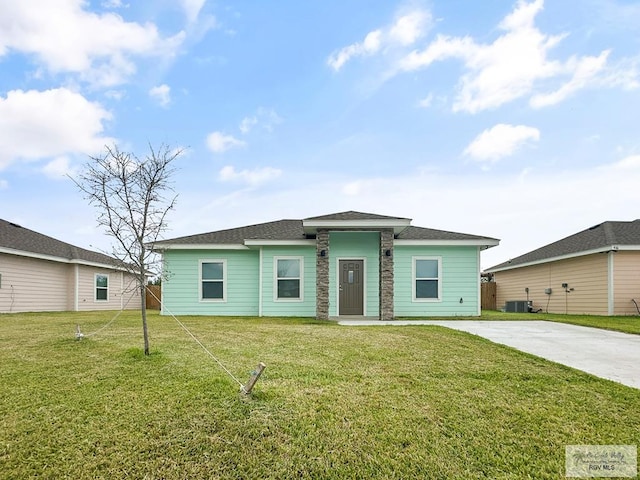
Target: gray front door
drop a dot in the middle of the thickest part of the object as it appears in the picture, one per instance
(351, 301)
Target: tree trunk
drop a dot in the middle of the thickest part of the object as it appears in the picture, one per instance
(143, 309)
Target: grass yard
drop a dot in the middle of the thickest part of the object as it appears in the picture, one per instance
(334, 402)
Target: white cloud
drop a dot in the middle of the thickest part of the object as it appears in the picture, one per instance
(513, 66)
(426, 101)
(508, 68)
(254, 177)
(632, 162)
(115, 94)
(161, 94)
(523, 15)
(624, 74)
(247, 124)
(584, 71)
(368, 46)
(3, 184)
(266, 118)
(219, 142)
(405, 31)
(66, 38)
(113, 4)
(410, 27)
(192, 9)
(58, 168)
(65, 122)
(500, 141)
(352, 189)
(441, 48)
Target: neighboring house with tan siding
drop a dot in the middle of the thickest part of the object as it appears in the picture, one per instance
(39, 273)
(596, 271)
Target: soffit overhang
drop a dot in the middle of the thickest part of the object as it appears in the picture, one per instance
(311, 227)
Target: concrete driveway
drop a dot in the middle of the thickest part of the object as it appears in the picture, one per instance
(606, 354)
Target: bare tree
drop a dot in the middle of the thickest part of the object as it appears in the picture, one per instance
(131, 195)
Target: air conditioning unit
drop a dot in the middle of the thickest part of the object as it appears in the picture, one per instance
(521, 306)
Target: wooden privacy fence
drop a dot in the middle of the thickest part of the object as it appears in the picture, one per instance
(488, 295)
(153, 291)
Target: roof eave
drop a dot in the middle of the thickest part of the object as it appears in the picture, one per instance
(605, 249)
(398, 225)
(198, 246)
(53, 258)
(484, 243)
(266, 242)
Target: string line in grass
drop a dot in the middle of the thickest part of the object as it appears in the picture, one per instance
(197, 341)
(80, 335)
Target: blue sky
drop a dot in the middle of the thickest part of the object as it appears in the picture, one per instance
(516, 120)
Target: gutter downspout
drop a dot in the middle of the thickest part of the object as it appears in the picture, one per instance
(162, 282)
(76, 287)
(479, 287)
(260, 286)
(610, 286)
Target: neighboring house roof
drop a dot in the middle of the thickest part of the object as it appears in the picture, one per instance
(607, 236)
(297, 231)
(17, 240)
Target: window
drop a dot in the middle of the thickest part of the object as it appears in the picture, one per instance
(426, 279)
(288, 278)
(102, 288)
(213, 280)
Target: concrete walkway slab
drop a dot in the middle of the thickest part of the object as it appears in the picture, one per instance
(604, 353)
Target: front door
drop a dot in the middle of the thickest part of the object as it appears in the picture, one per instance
(351, 300)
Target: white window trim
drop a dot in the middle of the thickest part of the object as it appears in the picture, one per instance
(275, 278)
(224, 280)
(95, 287)
(414, 279)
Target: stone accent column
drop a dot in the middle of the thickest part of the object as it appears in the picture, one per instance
(386, 275)
(322, 275)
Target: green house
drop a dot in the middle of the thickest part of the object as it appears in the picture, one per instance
(345, 264)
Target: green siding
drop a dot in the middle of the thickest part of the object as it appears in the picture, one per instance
(460, 280)
(459, 277)
(272, 307)
(180, 292)
(352, 245)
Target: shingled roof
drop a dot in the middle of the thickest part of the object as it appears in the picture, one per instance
(19, 240)
(278, 230)
(292, 230)
(599, 238)
(351, 215)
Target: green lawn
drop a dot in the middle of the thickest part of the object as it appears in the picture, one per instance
(334, 402)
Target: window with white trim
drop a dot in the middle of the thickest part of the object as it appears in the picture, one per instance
(213, 284)
(288, 278)
(427, 281)
(102, 287)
